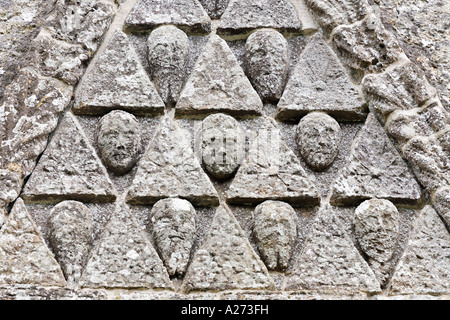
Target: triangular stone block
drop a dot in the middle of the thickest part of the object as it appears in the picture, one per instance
(226, 259)
(319, 83)
(271, 171)
(245, 15)
(170, 169)
(24, 256)
(69, 170)
(124, 257)
(218, 84)
(425, 265)
(374, 169)
(329, 261)
(117, 81)
(185, 14)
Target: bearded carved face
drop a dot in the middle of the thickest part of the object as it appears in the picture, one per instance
(119, 141)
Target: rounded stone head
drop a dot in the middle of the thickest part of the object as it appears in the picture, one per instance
(119, 141)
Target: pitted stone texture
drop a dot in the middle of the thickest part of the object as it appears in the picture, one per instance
(425, 265)
(29, 113)
(169, 169)
(215, 8)
(441, 201)
(319, 83)
(69, 169)
(124, 257)
(329, 260)
(275, 231)
(70, 236)
(81, 22)
(24, 256)
(318, 138)
(375, 170)
(271, 171)
(174, 229)
(402, 88)
(267, 63)
(333, 13)
(226, 259)
(245, 15)
(168, 56)
(218, 84)
(118, 81)
(188, 15)
(222, 145)
(119, 141)
(10, 188)
(367, 46)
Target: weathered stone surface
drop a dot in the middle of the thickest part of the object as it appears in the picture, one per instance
(218, 84)
(245, 15)
(69, 169)
(215, 8)
(24, 256)
(170, 169)
(226, 259)
(425, 265)
(222, 145)
(319, 83)
(82, 22)
(402, 88)
(168, 56)
(375, 170)
(28, 114)
(174, 231)
(117, 81)
(329, 260)
(185, 14)
(70, 236)
(318, 138)
(33, 293)
(10, 187)
(367, 46)
(267, 63)
(441, 202)
(119, 141)
(271, 171)
(124, 257)
(275, 231)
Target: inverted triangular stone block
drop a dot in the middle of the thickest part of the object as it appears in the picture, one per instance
(425, 265)
(218, 84)
(118, 81)
(271, 171)
(375, 170)
(329, 261)
(185, 14)
(169, 169)
(69, 170)
(245, 15)
(226, 260)
(24, 256)
(124, 257)
(319, 83)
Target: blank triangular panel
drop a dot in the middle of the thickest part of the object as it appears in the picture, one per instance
(245, 15)
(124, 257)
(185, 14)
(118, 81)
(374, 170)
(218, 84)
(271, 171)
(319, 83)
(226, 259)
(169, 169)
(24, 256)
(329, 261)
(69, 170)
(425, 265)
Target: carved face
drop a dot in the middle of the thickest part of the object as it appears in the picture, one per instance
(119, 141)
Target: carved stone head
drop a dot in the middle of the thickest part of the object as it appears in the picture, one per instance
(119, 141)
